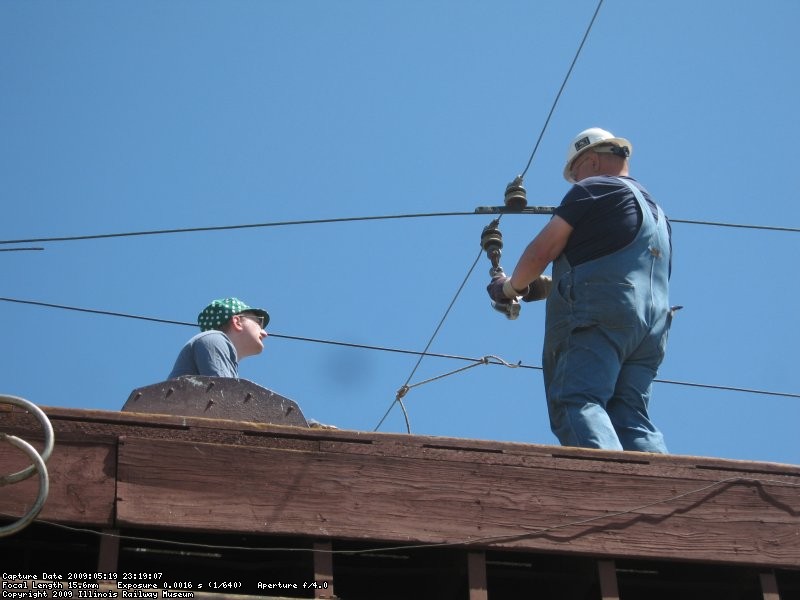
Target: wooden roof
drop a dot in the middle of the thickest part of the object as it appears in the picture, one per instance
(130, 471)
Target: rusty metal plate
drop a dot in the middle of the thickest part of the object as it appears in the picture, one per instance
(216, 398)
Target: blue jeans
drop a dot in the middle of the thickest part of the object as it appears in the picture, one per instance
(598, 399)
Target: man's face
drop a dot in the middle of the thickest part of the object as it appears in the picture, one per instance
(253, 334)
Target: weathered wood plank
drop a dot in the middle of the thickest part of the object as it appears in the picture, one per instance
(71, 424)
(108, 557)
(572, 459)
(476, 573)
(96, 422)
(82, 483)
(607, 576)
(769, 586)
(79, 424)
(212, 487)
(323, 570)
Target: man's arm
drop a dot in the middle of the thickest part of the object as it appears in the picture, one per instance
(544, 249)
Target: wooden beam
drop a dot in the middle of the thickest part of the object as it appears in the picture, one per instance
(82, 483)
(323, 570)
(357, 492)
(361, 485)
(108, 560)
(769, 586)
(476, 568)
(607, 576)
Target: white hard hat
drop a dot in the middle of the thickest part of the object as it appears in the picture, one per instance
(589, 138)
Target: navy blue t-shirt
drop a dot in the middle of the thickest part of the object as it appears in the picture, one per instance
(604, 215)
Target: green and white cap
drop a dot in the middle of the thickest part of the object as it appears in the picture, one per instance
(219, 312)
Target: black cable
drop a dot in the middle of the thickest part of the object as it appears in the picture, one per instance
(384, 348)
(99, 236)
(561, 89)
(387, 349)
(275, 335)
(95, 311)
(738, 226)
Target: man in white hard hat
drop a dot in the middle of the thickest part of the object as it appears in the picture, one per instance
(607, 313)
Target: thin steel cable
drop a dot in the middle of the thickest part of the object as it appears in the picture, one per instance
(401, 393)
(101, 236)
(737, 225)
(95, 311)
(561, 89)
(498, 362)
(430, 341)
(727, 388)
(482, 361)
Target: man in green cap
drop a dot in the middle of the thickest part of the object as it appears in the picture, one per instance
(230, 331)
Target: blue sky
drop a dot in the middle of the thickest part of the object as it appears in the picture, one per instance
(131, 116)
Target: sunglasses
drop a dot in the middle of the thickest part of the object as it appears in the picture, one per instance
(257, 318)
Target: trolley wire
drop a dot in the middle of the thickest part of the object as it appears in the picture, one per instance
(561, 89)
(176, 230)
(179, 230)
(737, 225)
(491, 360)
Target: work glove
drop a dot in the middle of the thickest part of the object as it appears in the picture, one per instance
(501, 291)
(539, 289)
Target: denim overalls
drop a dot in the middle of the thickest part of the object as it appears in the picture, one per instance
(605, 334)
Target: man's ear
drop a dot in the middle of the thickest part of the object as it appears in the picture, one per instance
(232, 325)
(236, 322)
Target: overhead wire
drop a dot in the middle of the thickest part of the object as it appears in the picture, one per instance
(491, 360)
(561, 89)
(179, 230)
(101, 236)
(737, 225)
(400, 393)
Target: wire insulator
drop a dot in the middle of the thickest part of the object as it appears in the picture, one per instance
(491, 238)
(516, 198)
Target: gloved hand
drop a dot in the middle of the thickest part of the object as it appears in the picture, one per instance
(539, 289)
(501, 290)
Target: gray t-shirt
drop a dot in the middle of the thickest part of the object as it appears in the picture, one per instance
(207, 353)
